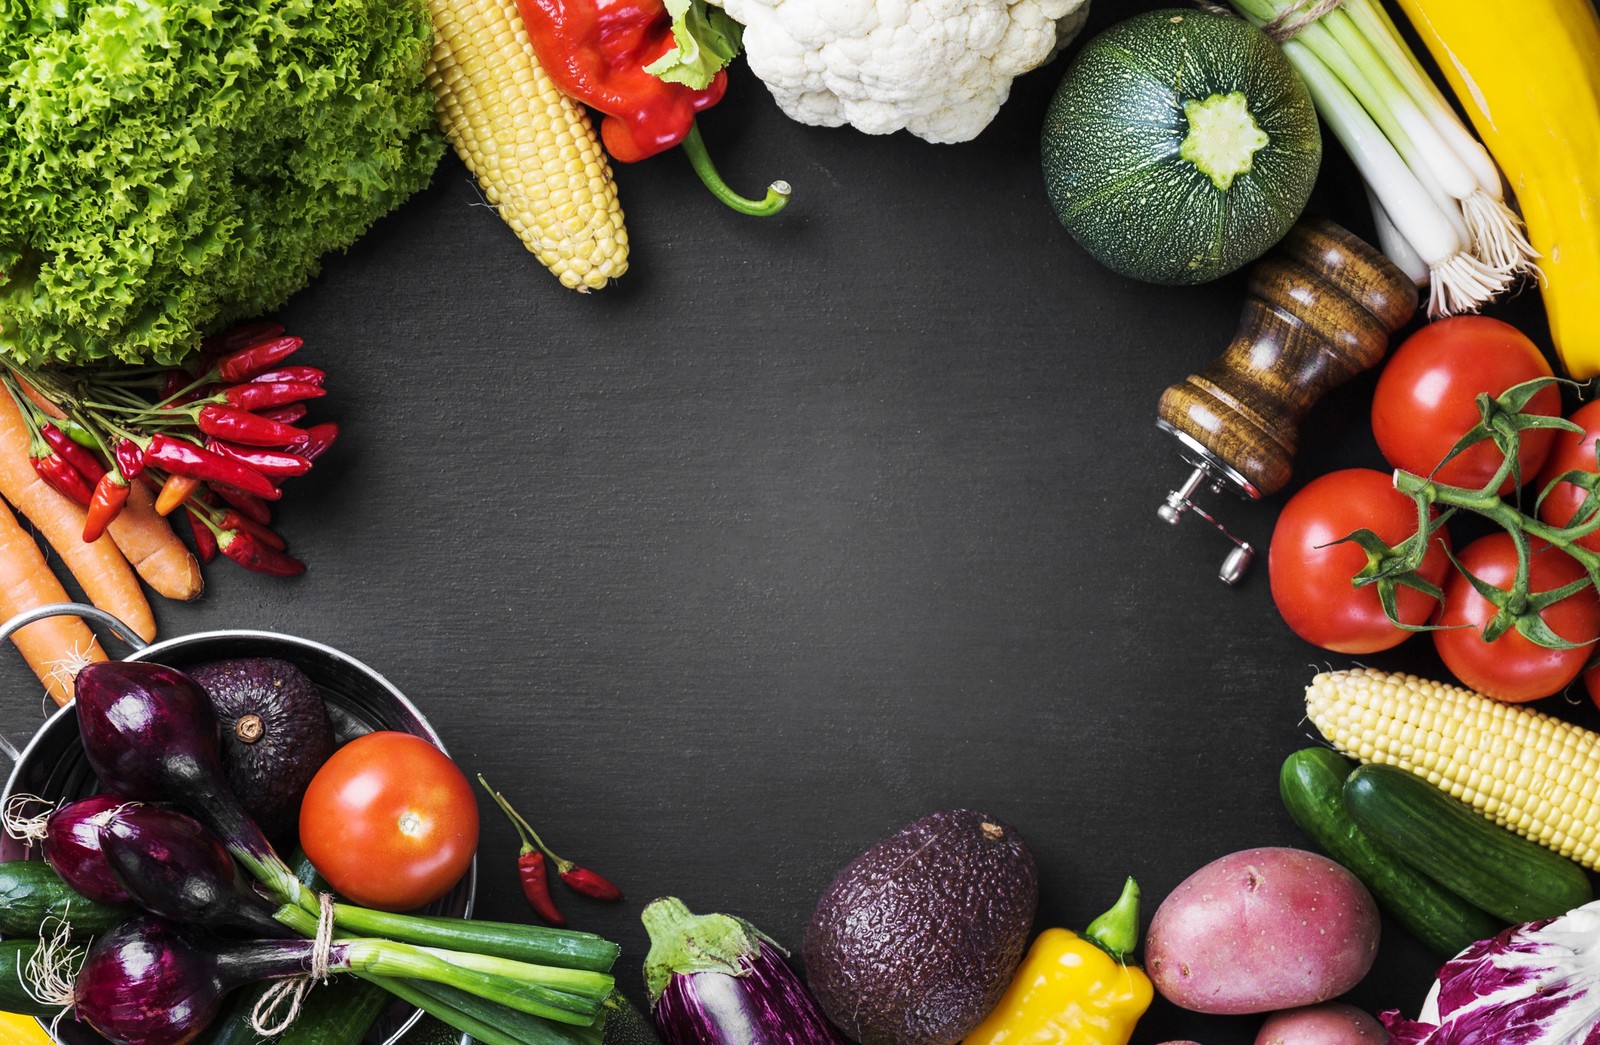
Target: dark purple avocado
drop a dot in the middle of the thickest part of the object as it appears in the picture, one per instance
(276, 734)
(916, 940)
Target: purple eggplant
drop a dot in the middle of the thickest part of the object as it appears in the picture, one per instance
(72, 847)
(717, 980)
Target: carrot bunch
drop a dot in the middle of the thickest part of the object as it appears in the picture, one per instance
(98, 460)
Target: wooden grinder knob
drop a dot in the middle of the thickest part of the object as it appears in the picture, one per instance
(1320, 310)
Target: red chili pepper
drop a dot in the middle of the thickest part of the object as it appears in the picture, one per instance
(252, 508)
(130, 459)
(86, 463)
(315, 442)
(589, 883)
(62, 477)
(305, 374)
(241, 426)
(286, 414)
(530, 866)
(596, 51)
(581, 879)
(248, 551)
(205, 542)
(242, 336)
(256, 357)
(233, 520)
(105, 504)
(262, 395)
(268, 462)
(185, 458)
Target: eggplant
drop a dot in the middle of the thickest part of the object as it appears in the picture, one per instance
(718, 980)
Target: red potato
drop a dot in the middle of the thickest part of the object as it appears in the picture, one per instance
(1262, 930)
(1333, 1023)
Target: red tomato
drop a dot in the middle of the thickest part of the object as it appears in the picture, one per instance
(1571, 452)
(390, 821)
(1311, 575)
(1425, 399)
(1513, 668)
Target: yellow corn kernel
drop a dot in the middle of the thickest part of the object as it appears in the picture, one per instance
(1523, 769)
(533, 150)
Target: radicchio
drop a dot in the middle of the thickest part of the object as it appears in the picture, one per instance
(1533, 984)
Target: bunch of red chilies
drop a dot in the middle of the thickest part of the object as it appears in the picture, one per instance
(217, 441)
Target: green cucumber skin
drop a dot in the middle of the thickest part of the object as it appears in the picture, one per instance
(1312, 785)
(14, 956)
(1113, 131)
(31, 892)
(1445, 839)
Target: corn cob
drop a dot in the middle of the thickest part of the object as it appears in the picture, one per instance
(533, 150)
(1523, 769)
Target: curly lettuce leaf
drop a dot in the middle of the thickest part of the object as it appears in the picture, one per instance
(168, 167)
(704, 39)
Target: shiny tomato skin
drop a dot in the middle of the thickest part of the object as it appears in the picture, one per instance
(390, 821)
(1311, 576)
(1513, 668)
(1571, 452)
(1425, 399)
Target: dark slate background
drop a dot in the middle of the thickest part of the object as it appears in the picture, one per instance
(809, 527)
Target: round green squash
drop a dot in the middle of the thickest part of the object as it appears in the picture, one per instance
(1179, 146)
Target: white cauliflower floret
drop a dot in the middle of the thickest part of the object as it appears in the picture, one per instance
(940, 69)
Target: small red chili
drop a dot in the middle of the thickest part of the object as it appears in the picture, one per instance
(62, 477)
(240, 337)
(258, 357)
(182, 457)
(252, 508)
(205, 542)
(266, 461)
(530, 866)
(316, 440)
(305, 374)
(130, 459)
(232, 520)
(86, 463)
(241, 426)
(105, 504)
(580, 879)
(286, 414)
(246, 550)
(263, 395)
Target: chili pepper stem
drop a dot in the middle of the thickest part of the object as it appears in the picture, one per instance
(777, 193)
(525, 830)
(1117, 931)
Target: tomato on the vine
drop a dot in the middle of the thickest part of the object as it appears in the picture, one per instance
(1513, 667)
(1311, 575)
(390, 821)
(1426, 399)
(1571, 452)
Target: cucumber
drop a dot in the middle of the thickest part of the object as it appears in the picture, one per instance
(339, 1012)
(14, 957)
(1312, 785)
(1445, 839)
(30, 892)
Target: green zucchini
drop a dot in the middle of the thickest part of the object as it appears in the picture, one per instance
(30, 892)
(1312, 785)
(14, 958)
(1462, 850)
(1179, 146)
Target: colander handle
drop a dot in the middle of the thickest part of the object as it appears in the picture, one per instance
(65, 609)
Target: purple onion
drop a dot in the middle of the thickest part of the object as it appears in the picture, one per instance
(717, 980)
(173, 867)
(72, 848)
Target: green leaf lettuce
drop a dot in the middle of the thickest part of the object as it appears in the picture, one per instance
(168, 167)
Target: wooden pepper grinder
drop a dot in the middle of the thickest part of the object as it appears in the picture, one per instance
(1320, 310)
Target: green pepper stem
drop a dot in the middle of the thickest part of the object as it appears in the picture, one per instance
(1117, 931)
(777, 193)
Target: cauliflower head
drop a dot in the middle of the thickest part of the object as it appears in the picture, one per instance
(940, 69)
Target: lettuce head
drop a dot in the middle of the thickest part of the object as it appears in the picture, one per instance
(168, 167)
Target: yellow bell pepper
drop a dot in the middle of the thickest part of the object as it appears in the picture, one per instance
(21, 1030)
(1075, 990)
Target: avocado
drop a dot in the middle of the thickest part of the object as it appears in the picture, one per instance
(276, 734)
(916, 940)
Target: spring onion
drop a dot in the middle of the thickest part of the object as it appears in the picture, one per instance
(1437, 194)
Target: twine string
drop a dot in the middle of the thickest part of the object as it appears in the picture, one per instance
(265, 1018)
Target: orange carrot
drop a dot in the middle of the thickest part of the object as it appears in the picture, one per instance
(54, 647)
(156, 552)
(100, 568)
